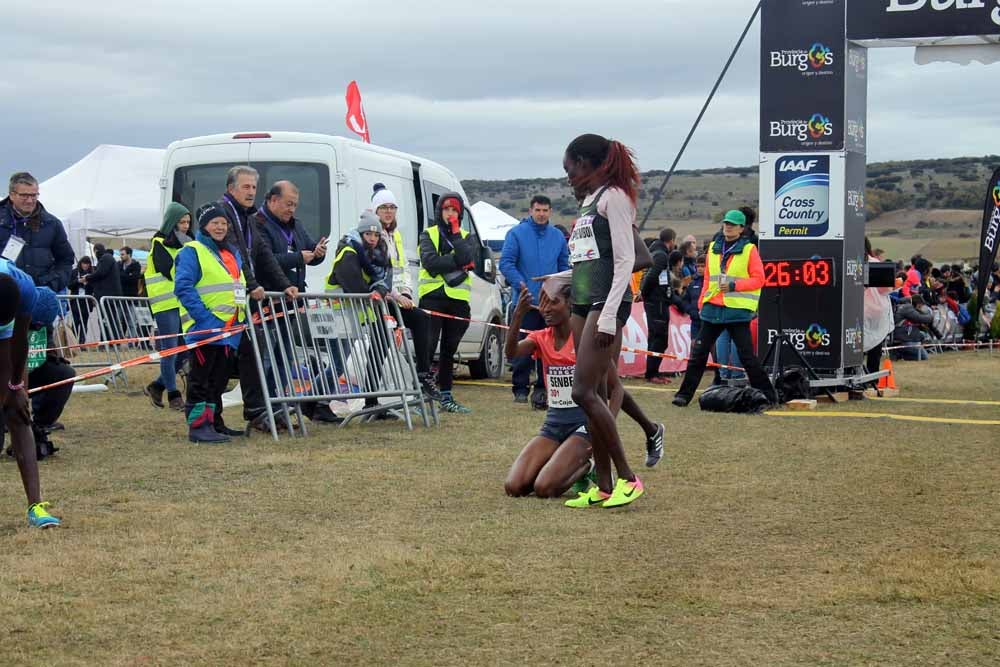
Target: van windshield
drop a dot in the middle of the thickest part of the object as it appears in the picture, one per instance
(203, 183)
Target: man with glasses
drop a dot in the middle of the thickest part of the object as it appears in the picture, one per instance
(33, 238)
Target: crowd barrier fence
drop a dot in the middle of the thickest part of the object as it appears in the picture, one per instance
(326, 347)
(128, 324)
(82, 316)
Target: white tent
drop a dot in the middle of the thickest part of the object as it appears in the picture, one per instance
(113, 191)
(492, 223)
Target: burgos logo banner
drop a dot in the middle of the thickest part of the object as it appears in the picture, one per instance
(802, 196)
(817, 60)
(812, 132)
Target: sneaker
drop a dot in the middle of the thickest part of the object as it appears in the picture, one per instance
(231, 432)
(581, 485)
(625, 492)
(520, 398)
(449, 404)
(654, 447)
(590, 498)
(658, 379)
(39, 517)
(539, 400)
(681, 401)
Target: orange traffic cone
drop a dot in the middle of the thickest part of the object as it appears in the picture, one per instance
(887, 381)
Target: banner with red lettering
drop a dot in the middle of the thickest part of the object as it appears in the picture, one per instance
(356, 121)
(634, 335)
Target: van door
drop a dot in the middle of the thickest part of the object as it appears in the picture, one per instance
(312, 167)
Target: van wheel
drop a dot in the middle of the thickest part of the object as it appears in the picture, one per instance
(490, 361)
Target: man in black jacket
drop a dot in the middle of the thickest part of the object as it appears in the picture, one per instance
(131, 272)
(290, 243)
(259, 268)
(106, 281)
(33, 238)
(656, 298)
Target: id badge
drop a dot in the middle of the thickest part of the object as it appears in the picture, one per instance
(664, 277)
(723, 279)
(240, 294)
(13, 248)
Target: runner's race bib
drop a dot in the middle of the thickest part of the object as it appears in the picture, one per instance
(582, 242)
(240, 294)
(36, 348)
(559, 381)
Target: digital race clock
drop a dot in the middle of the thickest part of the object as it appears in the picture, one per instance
(799, 272)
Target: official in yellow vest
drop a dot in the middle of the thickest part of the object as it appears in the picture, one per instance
(401, 287)
(212, 290)
(446, 258)
(734, 276)
(159, 277)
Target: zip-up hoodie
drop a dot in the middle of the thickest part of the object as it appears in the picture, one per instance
(529, 251)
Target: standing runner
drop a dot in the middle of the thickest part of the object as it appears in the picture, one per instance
(605, 179)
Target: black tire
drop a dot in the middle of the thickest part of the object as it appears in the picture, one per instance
(489, 365)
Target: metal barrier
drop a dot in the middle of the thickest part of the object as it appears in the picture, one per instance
(128, 325)
(81, 317)
(325, 347)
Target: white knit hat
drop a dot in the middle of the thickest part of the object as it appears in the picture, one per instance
(383, 197)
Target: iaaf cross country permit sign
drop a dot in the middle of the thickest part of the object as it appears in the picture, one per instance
(802, 196)
(920, 19)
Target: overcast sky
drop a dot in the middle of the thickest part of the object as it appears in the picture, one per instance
(492, 90)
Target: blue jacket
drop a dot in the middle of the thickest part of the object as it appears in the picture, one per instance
(532, 250)
(47, 255)
(188, 273)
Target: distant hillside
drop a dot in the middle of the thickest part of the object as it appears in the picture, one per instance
(931, 201)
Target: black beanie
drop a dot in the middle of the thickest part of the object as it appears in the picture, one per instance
(209, 212)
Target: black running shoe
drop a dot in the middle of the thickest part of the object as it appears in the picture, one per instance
(654, 447)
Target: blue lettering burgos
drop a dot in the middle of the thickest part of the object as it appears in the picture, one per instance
(802, 196)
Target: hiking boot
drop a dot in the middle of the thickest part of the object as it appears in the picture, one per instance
(154, 391)
(207, 435)
(539, 400)
(174, 401)
(429, 386)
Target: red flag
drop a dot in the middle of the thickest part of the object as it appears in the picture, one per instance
(356, 121)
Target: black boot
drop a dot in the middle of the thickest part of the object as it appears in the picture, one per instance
(154, 390)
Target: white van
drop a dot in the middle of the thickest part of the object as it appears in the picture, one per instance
(335, 176)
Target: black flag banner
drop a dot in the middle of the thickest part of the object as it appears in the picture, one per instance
(988, 240)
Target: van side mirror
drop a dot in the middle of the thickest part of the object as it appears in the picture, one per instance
(489, 266)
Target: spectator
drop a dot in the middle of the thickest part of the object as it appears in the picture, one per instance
(879, 254)
(878, 322)
(130, 271)
(167, 242)
(401, 288)
(734, 277)
(106, 281)
(446, 257)
(657, 294)
(692, 295)
(532, 249)
(46, 366)
(289, 241)
(210, 287)
(18, 298)
(751, 217)
(80, 308)
(361, 266)
(914, 276)
(955, 282)
(259, 269)
(689, 251)
(910, 318)
(39, 248)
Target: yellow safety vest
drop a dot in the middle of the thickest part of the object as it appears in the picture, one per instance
(739, 267)
(160, 290)
(216, 288)
(429, 283)
(368, 314)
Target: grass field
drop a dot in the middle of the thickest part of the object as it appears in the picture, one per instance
(761, 541)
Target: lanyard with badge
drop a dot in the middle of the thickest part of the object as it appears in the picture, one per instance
(13, 248)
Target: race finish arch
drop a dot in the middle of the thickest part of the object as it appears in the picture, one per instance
(813, 112)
